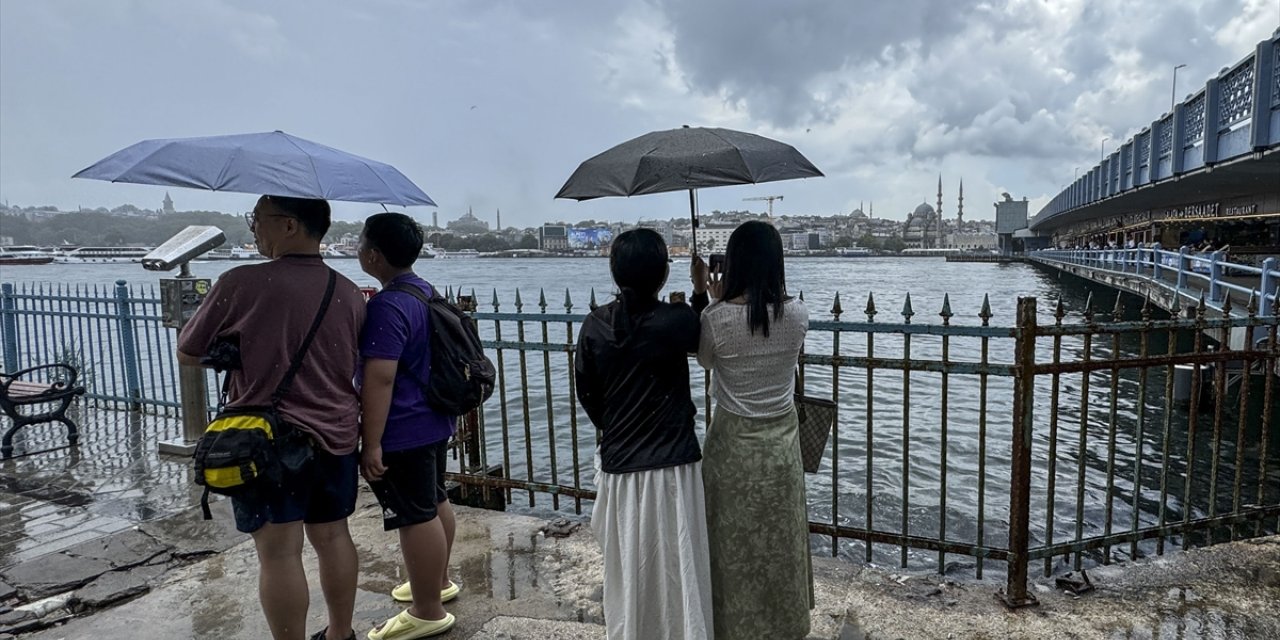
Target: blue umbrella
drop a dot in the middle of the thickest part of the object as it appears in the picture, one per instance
(274, 164)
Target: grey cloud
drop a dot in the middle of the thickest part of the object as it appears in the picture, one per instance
(769, 53)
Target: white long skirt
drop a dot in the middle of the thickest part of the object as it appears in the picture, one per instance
(652, 530)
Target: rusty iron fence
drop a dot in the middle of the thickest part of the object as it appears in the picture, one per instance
(960, 444)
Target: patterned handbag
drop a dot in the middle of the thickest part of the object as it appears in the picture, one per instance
(816, 415)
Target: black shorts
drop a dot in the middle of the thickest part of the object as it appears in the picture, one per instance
(321, 490)
(412, 485)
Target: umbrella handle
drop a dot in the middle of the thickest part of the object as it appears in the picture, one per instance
(693, 217)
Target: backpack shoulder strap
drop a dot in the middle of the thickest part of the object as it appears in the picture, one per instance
(405, 287)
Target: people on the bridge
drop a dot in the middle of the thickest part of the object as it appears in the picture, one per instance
(404, 442)
(270, 308)
(756, 509)
(632, 371)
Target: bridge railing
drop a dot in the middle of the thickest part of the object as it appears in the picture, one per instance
(1210, 271)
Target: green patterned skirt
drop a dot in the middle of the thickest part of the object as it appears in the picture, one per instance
(757, 525)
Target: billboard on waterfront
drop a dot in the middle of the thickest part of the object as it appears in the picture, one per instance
(590, 237)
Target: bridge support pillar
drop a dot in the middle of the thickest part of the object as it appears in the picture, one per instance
(1269, 284)
(1182, 268)
(1215, 276)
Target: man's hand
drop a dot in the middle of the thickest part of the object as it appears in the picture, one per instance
(371, 463)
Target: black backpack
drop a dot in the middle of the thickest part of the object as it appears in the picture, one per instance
(462, 376)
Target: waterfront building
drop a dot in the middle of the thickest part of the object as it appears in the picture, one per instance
(1011, 217)
(713, 238)
(553, 237)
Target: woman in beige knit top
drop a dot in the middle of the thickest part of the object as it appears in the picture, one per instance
(755, 494)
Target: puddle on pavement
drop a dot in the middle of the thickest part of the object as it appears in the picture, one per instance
(516, 566)
(851, 630)
(1187, 616)
(216, 617)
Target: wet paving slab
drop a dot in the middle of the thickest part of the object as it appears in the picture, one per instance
(53, 497)
(96, 539)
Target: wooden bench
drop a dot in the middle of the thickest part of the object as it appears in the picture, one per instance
(21, 395)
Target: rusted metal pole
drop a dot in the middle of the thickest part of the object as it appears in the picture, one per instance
(1015, 594)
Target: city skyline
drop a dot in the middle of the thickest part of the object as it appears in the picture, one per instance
(424, 215)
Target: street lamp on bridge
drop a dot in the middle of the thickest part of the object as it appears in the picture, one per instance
(1173, 93)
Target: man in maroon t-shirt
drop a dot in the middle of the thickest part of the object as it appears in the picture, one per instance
(268, 309)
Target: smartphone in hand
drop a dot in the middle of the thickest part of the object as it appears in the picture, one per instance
(716, 263)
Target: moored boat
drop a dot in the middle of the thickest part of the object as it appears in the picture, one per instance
(24, 255)
(104, 255)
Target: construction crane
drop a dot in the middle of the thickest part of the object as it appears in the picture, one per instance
(769, 198)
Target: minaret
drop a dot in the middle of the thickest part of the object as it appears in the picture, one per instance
(871, 211)
(960, 206)
(937, 220)
(939, 212)
(435, 219)
(499, 220)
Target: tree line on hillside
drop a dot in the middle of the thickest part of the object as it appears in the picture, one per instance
(94, 228)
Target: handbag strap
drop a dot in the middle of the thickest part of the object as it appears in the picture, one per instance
(296, 363)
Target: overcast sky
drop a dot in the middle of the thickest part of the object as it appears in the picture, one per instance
(491, 105)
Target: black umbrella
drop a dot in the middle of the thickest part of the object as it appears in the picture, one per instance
(686, 158)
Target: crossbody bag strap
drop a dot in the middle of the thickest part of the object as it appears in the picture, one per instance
(296, 363)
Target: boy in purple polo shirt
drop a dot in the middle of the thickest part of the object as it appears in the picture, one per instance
(403, 441)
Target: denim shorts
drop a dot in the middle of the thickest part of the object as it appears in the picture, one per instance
(323, 489)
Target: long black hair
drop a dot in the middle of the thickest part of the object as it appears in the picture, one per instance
(638, 262)
(753, 268)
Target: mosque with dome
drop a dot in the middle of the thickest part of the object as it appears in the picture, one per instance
(926, 228)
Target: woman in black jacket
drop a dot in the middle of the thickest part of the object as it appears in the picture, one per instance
(632, 369)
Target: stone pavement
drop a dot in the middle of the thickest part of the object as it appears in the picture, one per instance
(106, 543)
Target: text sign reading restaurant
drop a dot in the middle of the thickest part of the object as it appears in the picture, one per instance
(1199, 211)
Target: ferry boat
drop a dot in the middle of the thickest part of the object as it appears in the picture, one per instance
(456, 255)
(24, 254)
(235, 253)
(94, 255)
(429, 251)
(853, 252)
(933, 252)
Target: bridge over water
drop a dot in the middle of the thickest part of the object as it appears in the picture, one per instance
(1207, 170)
(1214, 157)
